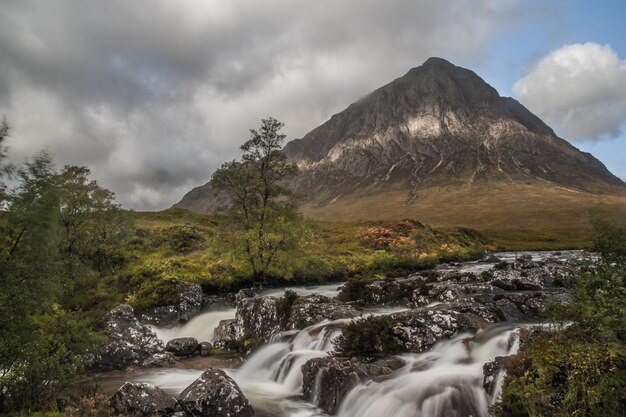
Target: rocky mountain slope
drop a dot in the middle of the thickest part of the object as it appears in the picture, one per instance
(438, 129)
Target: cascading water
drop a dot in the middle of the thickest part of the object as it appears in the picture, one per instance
(202, 327)
(279, 363)
(445, 381)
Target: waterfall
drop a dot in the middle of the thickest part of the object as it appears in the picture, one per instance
(202, 327)
(445, 381)
(278, 364)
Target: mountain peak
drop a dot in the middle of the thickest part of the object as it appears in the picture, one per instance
(439, 125)
(438, 62)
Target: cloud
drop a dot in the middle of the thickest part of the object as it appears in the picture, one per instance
(153, 95)
(580, 89)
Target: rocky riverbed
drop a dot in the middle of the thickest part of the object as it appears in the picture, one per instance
(451, 327)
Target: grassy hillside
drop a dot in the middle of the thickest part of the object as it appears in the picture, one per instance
(512, 215)
(178, 245)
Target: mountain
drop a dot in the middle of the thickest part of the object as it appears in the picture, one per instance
(438, 138)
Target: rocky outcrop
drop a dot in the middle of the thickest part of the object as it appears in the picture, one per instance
(128, 341)
(261, 317)
(326, 381)
(143, 400)
(214, 394)
(183, 346)
(256, 317)
(515, 283)
(189, 305)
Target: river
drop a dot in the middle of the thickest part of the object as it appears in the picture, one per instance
(448, 376)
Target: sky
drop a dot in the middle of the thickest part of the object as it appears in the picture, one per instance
(153, 95)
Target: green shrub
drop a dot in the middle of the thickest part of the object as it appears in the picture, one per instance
(368, 337)
(185, 238)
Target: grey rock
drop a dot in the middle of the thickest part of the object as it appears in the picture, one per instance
(160, 360)
(205, 348)
(183, 346)
(256, 317)
(492, 372)
(128, 341)
(326, 381)
(214, 394)
(225, 330)
(141, 399)
(189, 305)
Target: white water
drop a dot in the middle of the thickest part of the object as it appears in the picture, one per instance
(329, 290)
(202, 327)
(445, 381)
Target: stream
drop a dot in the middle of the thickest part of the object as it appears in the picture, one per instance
(447, 377)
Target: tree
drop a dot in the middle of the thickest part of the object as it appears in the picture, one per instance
(52, 232)
(92, 226)
(261, 209)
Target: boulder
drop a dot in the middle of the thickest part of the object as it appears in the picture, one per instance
(225, 330)
(183, 346)
(141, 399)
(256, 317)
(491, 373)
(189, 305)
(160, 360)
(327, 380)
(128, 341)
(205, 348)
(214, 394)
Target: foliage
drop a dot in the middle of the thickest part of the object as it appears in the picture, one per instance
(580, 371)
(261, 212)
(369, 336)
(184, 239)
(55, 230)
(283, 307)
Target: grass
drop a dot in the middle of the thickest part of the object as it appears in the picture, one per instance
(176, 245)
(514, 216)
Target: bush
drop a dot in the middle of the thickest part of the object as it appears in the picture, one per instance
(368, 337)
(184, 239)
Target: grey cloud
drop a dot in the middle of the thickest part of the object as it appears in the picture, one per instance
(154, 94)
(580, 89)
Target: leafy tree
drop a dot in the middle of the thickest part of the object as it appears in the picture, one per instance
(261, 211)
(52, 232)
(92, 226)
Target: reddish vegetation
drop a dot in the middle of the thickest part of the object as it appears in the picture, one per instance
(392, 235)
